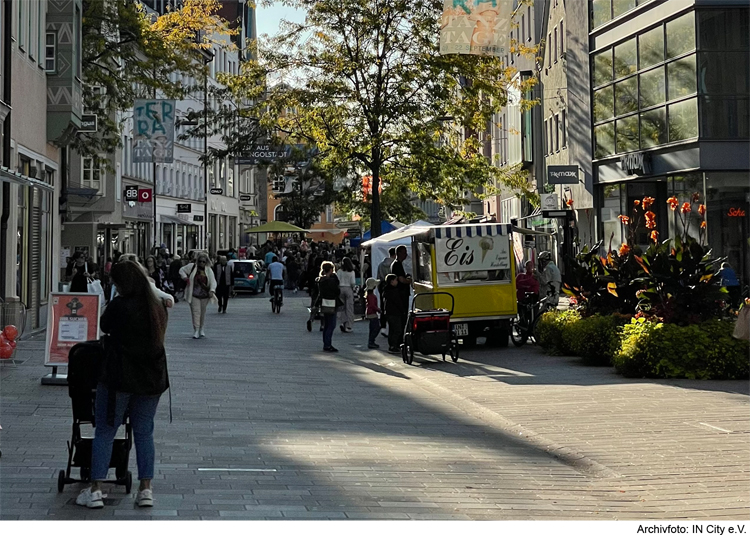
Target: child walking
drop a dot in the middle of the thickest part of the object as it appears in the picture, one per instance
(372, 311)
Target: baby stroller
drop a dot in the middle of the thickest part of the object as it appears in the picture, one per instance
(84, 370)
(314, 308)
(429, 332)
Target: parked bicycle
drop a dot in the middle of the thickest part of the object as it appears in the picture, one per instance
(530, 311)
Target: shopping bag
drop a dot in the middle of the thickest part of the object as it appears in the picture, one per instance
(328, 306)
(95, 287)
(742, 327)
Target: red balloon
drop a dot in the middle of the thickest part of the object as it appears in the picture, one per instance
(12, 344)
(3, 339)
(6, 351)
(11, 332)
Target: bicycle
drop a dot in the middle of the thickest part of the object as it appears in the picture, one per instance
(524, 325)
(278, 298)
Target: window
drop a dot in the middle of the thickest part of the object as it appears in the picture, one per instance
(604, 140)
(681, 35)
(523, 27)
(626, 96)
(681, 77)
(652, 88)
(33, 39)
(528, 22)
(549, 47)
(50, 52)
(683, 120)
(603, 67)
(562, 39)
(621, 6)
(601, 12)
(564, 129)
(557, 133)
(555, 44)
(651, 47)
(604, 104)
(626, 59)
(77, 38)
(653, 128)
(22, 27)
(91, 173)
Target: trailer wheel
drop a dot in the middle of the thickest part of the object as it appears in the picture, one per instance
(61, 481)
(454, 350)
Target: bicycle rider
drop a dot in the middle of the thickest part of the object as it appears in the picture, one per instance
(527, 283)
(550, 277)
(276, 271)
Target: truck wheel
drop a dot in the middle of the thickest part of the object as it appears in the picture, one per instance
(497, 338)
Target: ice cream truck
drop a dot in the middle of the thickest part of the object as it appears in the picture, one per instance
(475, 264)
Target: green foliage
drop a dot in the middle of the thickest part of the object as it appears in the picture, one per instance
(595, 338)
(311, 192)
(550, 331)
(698, 351)
(681, 284)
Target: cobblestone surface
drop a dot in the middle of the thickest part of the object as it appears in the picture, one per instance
(266, 426)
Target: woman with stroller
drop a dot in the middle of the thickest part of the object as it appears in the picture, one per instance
(328, 283)
(135, 376)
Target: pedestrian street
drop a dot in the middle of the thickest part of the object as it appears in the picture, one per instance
(267, 426)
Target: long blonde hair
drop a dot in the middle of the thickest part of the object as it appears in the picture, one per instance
(327, 267)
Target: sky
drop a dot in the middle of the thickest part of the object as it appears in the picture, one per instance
(267, 21)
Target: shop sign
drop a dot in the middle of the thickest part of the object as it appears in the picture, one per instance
(88, 123)
(550, 202)
(562, 175)
(71, 318)
(198, 218)
(153, 131)
(131, 193)
(636, 163)
(246, 197)
(216, 191)
(460, 249)
(184, 208)
(736, 212)
(144, 195)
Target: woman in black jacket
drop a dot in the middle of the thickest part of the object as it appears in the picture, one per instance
(135, 376)
(328, 284)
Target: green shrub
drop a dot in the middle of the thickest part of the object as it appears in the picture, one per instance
(698, 351)
(549, 331)
(595, 338)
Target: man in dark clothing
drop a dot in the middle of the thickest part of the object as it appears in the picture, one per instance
(224, 282)
(395, 313)
(404, 287)
(174, 275)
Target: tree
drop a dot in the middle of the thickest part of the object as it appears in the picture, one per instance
(126, 55)
(363, 81)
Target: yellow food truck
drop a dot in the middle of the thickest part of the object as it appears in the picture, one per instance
(475, 264)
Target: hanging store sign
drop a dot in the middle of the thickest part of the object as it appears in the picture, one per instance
(636, 163)
(562, 175)
(145, 195)
(153, 131)
(184, 208)
(246, 197)
(477, 248)
(198, 218)
(88, 123)
(550, 202)
(216, 191)
(131, 193)
(476, 27)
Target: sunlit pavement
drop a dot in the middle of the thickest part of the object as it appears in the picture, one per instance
(267, 426)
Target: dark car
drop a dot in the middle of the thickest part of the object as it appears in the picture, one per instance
(249, 275)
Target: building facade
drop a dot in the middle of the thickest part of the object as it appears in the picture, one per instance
(670, 87)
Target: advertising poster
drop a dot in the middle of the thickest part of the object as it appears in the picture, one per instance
(72, 318)
(459, 249)
(476, 27)
(153, 131)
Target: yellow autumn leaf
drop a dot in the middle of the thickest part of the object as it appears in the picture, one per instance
(612, 288)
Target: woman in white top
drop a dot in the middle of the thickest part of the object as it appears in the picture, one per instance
(200, 288)
(347, 281)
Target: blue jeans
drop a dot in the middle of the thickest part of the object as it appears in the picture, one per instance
(374, 330)
(141, 410)
(328, 329)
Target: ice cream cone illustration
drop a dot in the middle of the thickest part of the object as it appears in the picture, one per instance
(486, 243)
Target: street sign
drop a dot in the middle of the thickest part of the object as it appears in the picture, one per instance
(131, 193)
(549, 202)
(562, 175)
(184, 208)
(263, 153)
(88, 124)
(216, 191)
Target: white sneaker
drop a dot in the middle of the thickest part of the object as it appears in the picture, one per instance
(92, 500)
(203, 334)
(196, 335)
(144, 498)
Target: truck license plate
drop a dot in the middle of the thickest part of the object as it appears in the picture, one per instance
(461, 329)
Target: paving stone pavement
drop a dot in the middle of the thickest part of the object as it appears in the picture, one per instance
(266, 426)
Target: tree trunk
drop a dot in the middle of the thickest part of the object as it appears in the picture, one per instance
(375, 207)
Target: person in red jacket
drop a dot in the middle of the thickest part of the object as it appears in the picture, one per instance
(526, 282)
(372, 312)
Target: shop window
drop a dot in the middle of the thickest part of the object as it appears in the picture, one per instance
(621, 6)
(604, 140)
(652, 89)
(603, 67)
(651, 47)
(604, 104)
(611, 201)
(681, 35)
(627, 134)
(681, 77)
(626, 58)
(626, 96)
(653, 128)
(683, 120)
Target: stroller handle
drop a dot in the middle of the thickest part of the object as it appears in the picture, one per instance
(414, 302)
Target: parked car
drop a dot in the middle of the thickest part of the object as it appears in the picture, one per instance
(249, 275)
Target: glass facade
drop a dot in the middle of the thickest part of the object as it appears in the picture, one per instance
(648, 86)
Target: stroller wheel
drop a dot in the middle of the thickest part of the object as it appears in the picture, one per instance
(128, 482)
(61, 481)
(454, 350)
(309, 325)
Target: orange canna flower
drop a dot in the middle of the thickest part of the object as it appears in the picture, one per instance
(650, 220)
(655, 236)
(696, 197)
(624, 218)
(703, 224)
(702, 209)
(648, 202)
(636, 202)
(686, 208)
(673, 203)
(624, 249)
(569, 202)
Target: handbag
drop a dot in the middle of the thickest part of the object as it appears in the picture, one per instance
(328, 306)
(742, 327)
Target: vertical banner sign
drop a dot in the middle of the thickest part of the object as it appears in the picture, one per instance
(153, 129)
(72, 318)
(477, 27)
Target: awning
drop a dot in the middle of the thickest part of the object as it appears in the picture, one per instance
(329, 231)
(20, 179)
(407, 232)
(174, 219)
(276, 227)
